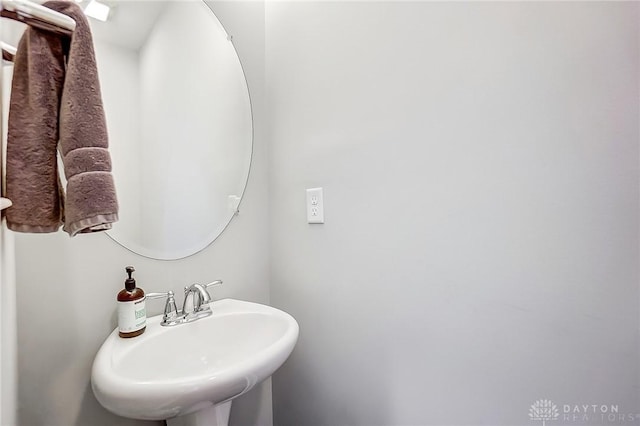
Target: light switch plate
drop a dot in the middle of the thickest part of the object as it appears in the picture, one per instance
(315, 205)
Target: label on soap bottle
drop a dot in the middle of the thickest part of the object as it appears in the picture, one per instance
(132, 315)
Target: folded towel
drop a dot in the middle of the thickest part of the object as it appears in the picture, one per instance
(55, 96)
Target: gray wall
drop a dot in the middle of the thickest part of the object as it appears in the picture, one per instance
(480, 172)
(67, 287)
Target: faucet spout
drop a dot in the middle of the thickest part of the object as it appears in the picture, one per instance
(200, 298)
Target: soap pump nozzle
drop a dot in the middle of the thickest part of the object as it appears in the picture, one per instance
(130, 283)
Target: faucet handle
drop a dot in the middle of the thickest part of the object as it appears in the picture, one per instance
(206, 299)
(170, 316)
(214, 283)
(211, 284)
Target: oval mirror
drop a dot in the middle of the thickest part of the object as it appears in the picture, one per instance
(180, 124)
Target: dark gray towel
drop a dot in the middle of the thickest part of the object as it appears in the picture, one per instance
(56, 103)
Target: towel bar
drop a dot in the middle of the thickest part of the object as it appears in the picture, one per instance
(36, 15)
(4, 203)
(8, 51)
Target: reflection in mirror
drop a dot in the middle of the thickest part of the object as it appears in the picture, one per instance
(179, 119)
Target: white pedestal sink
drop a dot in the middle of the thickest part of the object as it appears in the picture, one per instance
(189, 373)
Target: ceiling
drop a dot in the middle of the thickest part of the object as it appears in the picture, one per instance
(130, 22)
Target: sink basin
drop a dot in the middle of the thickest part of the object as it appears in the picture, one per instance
(191, 372)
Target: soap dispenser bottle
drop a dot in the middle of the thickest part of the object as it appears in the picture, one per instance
(132, 315)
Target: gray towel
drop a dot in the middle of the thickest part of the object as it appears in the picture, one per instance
(56, 104)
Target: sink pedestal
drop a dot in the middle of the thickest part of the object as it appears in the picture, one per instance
(216, 415)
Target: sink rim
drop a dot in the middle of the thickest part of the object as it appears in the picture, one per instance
(115, 391)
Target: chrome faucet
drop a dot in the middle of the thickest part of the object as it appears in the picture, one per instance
(200, 298)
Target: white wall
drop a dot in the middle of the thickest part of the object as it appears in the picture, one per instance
(480, 168)
(67, 287)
